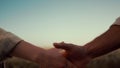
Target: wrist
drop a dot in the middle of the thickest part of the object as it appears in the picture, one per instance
(87, 52)
(41, 56)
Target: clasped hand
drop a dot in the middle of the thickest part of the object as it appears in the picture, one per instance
(74, 53)
(73, 56)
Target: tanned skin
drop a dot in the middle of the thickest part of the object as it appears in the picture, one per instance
(103, 44)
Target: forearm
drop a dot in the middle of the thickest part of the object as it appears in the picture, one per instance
(105, 43)
(27, 51)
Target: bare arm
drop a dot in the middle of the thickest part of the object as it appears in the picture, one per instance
(11, 45)
(41, 56)
(107, 42)
(81, 55)
(27, 51)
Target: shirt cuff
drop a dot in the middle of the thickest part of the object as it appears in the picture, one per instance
(8, 42)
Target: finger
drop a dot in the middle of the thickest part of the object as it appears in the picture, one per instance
(62, 46)
(64, 53)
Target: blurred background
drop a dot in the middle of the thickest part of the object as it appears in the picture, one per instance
(43, 22)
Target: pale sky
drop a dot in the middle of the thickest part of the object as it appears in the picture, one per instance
(43, 22)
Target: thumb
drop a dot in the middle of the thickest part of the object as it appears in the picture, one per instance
(62, 46)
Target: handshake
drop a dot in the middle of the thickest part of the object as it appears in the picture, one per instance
(71, 56)
(76, 56)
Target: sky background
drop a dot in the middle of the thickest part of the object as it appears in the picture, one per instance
(43, 22)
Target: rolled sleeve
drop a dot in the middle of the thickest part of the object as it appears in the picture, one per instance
(8, 42)
(117, 22)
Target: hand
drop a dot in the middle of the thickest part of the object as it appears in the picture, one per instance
(53, 59)
(76, 54)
